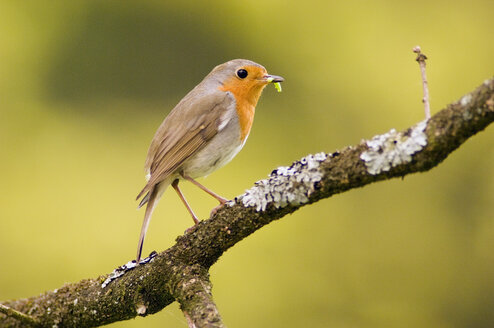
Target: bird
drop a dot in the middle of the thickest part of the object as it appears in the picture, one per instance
(202, 133)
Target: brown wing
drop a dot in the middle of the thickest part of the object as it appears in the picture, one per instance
(189, 126)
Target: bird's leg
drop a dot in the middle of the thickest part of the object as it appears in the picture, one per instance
(215, 195)
(179, 192)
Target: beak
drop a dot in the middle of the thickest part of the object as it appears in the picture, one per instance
(273, 78)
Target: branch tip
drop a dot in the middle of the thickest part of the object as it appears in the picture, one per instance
(421, 58)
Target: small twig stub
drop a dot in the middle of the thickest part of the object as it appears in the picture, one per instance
(421, 58)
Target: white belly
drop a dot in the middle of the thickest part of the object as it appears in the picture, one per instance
(219, 151)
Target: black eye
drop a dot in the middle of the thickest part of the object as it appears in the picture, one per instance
(242, 73)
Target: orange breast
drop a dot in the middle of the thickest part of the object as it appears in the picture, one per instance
(246, 94)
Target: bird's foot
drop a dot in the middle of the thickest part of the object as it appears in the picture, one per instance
(217, 208)
(191, 229)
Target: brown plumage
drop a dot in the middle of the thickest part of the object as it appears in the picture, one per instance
(204, 131)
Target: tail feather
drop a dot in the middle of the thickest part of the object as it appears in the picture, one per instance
(144, 190)
(144, 200)
(152, 197)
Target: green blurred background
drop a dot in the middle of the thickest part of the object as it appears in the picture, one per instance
(85, 84)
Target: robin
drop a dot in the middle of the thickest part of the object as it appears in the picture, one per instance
(204, 131)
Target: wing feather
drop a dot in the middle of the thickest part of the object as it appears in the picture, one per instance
(186, 130)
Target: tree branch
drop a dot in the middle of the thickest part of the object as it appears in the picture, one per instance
(181, 272)
(19, 316)
(196, 300)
